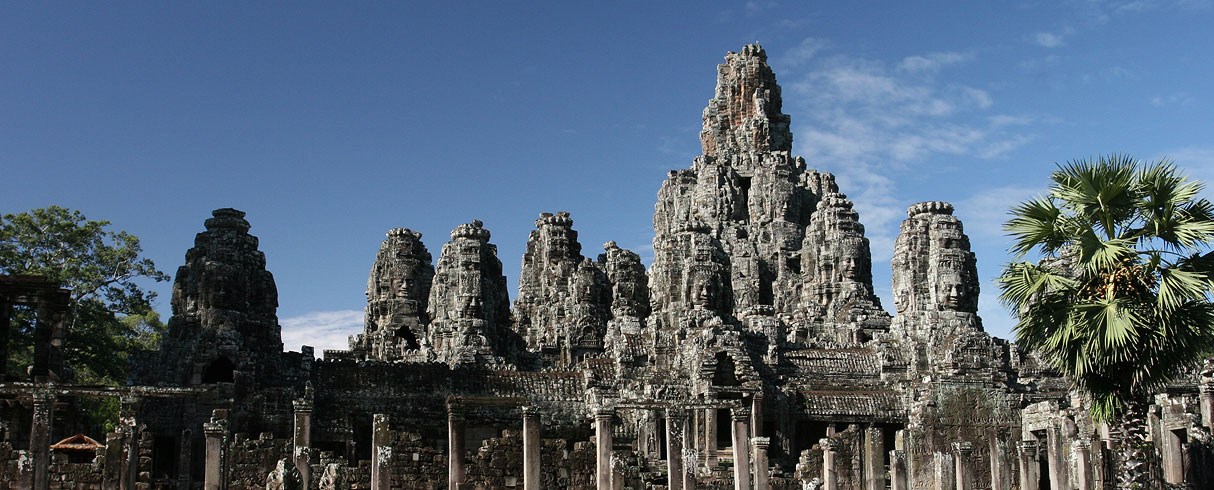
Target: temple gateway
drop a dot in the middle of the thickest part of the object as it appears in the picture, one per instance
(752, 354)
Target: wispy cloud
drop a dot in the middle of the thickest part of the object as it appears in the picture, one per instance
(1048, 39)
(985, 211)
(321, 330)
(803, 52)
(874, 123)
(1178, 98)
(931, 63)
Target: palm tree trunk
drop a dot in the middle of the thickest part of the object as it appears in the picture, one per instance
(1135, 453)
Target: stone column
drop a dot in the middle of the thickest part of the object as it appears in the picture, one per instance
(830, 475)
(184, 446)
(1083, 465)
(381, 456)
(761, 470)
(874, 458)
(1028, 465)
(531, 448)
(676, 419)
(1206, 402)
(694, 426)
(1058, 477)
(710, 437)
(945, 473)
(6, 318)
(965, 477)
(303, 440)
(602, 444)
(999, 469)
(40, 438)
(690, 457)
(741, 449)
(756, 415)
(112, 471)
(897, 470)
(48, 343)
(215, 469)
(130, 442)
(455, 445)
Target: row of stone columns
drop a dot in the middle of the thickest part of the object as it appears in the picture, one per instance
(680, 475)
(456, 423)
(1030, 471)
(119, 472)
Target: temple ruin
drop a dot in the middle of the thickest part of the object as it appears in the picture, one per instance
(752, 354)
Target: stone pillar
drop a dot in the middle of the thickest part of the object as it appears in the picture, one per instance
(945, 473)
(1028, 465)
(1206, 402)
(303, 440)
(756, 415)
(6, 318)
(965, 477)
(40, 438)
(48, 343)
(830, 475)
(602, 444)
(1083, 465)
(455, 445)
(215, 469)
(897, 470)
(761, 470)
(130, 444)
(381, 455)
(690, 457)
(112, 471)
(531, 448)
(184, 456)
(741, 449)
(710, 437)
(874, 458)
(999, 469)
(1058, 477)
(676, 419)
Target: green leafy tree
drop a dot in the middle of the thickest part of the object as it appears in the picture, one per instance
(1121, 300)
(110, 312)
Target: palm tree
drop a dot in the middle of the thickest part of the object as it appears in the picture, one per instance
(1121, 300)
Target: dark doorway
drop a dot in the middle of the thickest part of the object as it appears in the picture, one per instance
(164, 457)
(220, 370)
(724, 428)
(726, 373)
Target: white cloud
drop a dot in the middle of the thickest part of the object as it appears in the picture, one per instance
(321, 329)
(805, 51)
(875, 124)
(985, 211)
(1048, 39)
(931, 63)
(1179, 98)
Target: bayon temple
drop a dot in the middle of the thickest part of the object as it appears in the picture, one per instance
(752, 353)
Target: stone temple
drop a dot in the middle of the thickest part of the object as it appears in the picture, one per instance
(752, 354)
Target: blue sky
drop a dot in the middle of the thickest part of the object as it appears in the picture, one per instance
(330, 124)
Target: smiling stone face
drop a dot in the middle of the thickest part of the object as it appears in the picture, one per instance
(934, 270)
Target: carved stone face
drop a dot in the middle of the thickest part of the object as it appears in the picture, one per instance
(950, 292)
(702, 292)
(849, 265)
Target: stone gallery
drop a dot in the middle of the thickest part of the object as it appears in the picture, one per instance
(752, 353)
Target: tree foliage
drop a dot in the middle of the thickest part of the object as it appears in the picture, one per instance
(110, 312)
(1121, 301)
